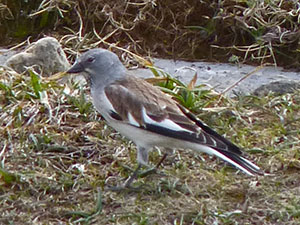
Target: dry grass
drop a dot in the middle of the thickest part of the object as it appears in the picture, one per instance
(236, 31)
(58, 156)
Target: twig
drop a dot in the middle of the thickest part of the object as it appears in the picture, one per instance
(243, 78)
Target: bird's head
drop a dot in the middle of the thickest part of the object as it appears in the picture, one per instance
(98, 65)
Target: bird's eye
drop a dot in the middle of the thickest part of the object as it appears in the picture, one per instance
(91, 59)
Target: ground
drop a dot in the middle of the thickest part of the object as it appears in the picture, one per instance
(59, 158)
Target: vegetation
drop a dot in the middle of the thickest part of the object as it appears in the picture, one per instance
(228, 30)
(58, 156)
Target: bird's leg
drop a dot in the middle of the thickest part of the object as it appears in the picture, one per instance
(161, 160)
(142, 156)
(145, 173)
(154, 169)
(133, 177)
(143, 160)
(168, 151)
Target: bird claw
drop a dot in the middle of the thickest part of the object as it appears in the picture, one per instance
(127, 186)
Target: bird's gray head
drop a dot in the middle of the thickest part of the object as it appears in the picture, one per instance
(99, 66)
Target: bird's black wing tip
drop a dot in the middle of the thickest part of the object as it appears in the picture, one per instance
(210, 131)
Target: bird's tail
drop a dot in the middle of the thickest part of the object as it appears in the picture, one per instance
(238, 161)
(232, 155)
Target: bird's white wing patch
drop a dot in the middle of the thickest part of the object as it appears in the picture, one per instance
(166, 123)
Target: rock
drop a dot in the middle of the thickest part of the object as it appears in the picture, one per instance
(221, 76)
(46, 53)
(5, 54)
(277, 87)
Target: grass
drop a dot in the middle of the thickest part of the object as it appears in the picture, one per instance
(58, 156)
(244, 31)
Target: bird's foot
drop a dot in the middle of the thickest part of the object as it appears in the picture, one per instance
(127, 186)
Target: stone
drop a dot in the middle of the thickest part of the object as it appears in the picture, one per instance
(5, 54)
(225, 76)
(47, 54)
(277, 87)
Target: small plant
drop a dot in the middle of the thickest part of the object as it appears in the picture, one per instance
(189, 95)
(83, 105)
(7, 178)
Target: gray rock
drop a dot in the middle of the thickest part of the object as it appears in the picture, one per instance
(5, 54)
(46, 54)
(224, 76)
(277, 87)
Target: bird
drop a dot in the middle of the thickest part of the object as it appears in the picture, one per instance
(149, 117)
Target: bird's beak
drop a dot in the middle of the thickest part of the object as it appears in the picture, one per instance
(76, 68)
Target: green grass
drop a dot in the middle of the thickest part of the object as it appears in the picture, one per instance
(58, 156)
